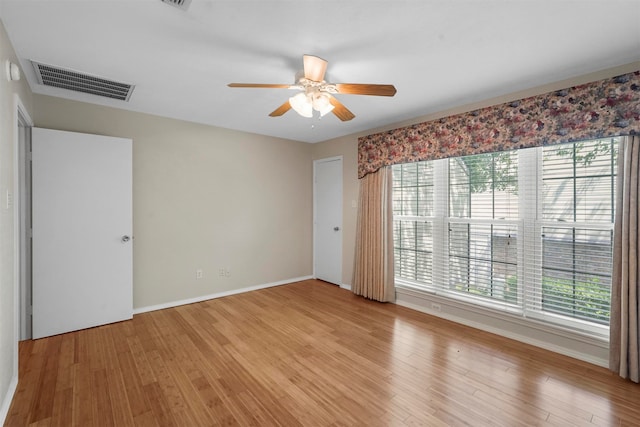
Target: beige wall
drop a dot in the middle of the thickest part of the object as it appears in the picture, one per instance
(8, 92)
(204, 198)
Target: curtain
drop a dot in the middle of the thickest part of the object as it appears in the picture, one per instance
(605, 108)
(373, 275)
(624, 322)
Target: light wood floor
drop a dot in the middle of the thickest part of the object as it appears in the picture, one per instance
(310, 354)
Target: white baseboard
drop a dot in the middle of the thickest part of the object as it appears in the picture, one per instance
(590, 350)
(217, 295)
(8, 397)
(345, 286)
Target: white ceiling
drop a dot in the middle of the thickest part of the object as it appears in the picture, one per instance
(438, 54)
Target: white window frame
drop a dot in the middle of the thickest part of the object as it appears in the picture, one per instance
(529, 246)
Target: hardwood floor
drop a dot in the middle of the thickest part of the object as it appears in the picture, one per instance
(311, 354)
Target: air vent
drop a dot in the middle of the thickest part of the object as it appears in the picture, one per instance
(50, 75)
(180, 4)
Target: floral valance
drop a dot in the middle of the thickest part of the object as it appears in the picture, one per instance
(605, 108)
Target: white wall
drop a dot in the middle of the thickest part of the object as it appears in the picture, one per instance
(8, 326)
(204, 198)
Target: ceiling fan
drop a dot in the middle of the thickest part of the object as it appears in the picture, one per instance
(318, 94)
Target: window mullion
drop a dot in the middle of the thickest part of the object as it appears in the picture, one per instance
(440, 223)
(529, 245)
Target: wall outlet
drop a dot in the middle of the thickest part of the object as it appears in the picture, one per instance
(436, 307)
(199, 273)
(221, 272)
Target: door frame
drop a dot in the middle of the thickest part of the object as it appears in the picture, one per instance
(315, 165)
(20, 193)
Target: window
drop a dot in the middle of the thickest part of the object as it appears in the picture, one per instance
(413, 239)
(528, 232)
(578, 201)
(483, 224)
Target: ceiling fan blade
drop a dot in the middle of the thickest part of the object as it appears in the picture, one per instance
(340, 110)
(365, 89)
(281, 110)
(314, 67)
(259, 85)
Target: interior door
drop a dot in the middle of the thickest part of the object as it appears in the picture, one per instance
(328, 220)
(82, 224)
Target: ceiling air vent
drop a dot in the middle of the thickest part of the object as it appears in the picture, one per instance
(50, 75)
(180, 4)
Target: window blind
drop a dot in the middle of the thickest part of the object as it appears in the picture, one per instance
(572, 268)
(528, 231)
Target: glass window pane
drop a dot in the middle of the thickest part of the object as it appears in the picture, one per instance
(484, 186)
(413, 189)
(413, 250)
(483, 260)
(579, 181)
(576, 272)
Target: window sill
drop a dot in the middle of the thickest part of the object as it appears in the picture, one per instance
(573, 343)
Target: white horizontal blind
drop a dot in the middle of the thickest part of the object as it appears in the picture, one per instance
(483, 260)
(413, 222)
(483, 226)
(574, 261)
(526, 231)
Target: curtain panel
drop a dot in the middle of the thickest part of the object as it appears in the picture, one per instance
(624, 328)
(373, 274)
(604, 108)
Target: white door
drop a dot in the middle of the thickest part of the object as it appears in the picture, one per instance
(328, 220)
(82, 224)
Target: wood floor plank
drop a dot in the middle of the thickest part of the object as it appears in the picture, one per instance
(133, 385)
(82, 395)
(307, 354)
(62, 414)
(42, 405)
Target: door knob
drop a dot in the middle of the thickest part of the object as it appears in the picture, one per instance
(336, 228)
(125, 239)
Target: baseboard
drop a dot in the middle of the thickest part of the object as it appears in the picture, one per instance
(345, 286)
(8, 397)
(509, 329)
(218, 295)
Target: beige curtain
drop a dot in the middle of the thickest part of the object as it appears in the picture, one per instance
(624, 323)
(373, 265)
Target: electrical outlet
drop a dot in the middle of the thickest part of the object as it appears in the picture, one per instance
(435, 307)
(221, 272)
(199, 273)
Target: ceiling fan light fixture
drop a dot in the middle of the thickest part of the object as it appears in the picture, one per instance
(321, 103)
(317, 94)
(301, 105)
